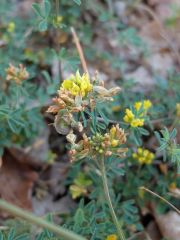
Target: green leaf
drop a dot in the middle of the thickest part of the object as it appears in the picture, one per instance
(157, 134)
(173, 133)
(106, 120)
(162, 147)
(43, 25)
(84, 119)
(78, 2)
(11, 234)
(47, 8)
(1, 236)
(143, 131)
(37, 9)
(79, 217)
(47, 76)
(24, 236)
(101, 125)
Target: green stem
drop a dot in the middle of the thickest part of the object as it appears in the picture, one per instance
(60, 231)
(108, 199)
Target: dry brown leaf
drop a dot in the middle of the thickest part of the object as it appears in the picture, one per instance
(169, 225)
(16, 178)
(163, 168)
(153, 231)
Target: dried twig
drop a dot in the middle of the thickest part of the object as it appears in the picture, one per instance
(80, 51)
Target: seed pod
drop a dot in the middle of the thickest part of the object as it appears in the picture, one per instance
(61, 125)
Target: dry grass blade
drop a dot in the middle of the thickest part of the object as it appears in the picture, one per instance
(163, 199)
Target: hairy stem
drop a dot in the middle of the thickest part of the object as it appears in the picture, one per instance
(59, 231)
(108, 199)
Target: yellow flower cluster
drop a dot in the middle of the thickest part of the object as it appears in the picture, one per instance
(145, 105)
(77, 84)
(132, 120)
(143, 156)
(112, 237)
(137, 119)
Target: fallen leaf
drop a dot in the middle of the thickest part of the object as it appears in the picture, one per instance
(16, 178)
(169, 225)
(153, 231)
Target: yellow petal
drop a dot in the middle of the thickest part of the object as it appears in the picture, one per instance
(67, 84)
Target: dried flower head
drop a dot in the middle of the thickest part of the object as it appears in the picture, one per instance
(17, 74)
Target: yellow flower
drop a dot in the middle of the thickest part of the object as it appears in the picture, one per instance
(137, 105)
(67, 84)
(11, 27)
(143, 156)
(132, 120)
(77, 84)
(114, 143)
(137, 122)
(112, 237)
(113, 132)
(146, 104)
(129, 114)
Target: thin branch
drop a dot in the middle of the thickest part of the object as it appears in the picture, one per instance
(80, 50)
(163, 199)
(18, 212)
(109, 202)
